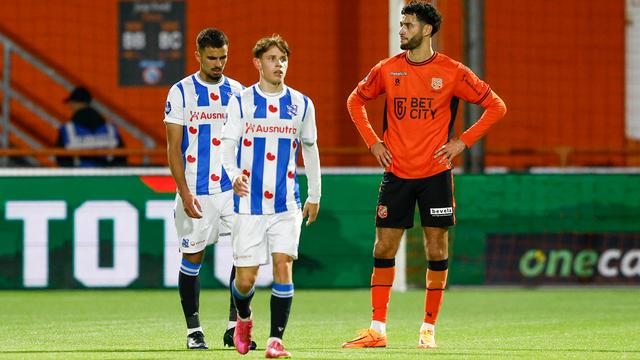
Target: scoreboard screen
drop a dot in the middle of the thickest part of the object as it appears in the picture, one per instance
(151, 42)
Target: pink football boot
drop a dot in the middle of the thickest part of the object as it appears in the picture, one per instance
(242, 335)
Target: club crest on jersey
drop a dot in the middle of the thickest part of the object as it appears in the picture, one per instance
(292, 110)
(436, 83)
(167, 108)
(382, 211)
(399, 107)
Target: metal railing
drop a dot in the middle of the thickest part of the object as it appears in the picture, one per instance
(6, 69)
(564, 156)
(9, 93)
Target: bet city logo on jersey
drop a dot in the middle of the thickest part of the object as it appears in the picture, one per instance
(415, 108)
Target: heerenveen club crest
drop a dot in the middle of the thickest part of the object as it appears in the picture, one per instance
(292, 110)
(436, 83)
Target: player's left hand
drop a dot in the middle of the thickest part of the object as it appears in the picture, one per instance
(311, 210)
(241, 185)
(448, 151)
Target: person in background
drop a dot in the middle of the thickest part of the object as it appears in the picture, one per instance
(87, 130)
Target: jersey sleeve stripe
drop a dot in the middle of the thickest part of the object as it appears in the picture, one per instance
(306, 106)
(483, 96)
(184, 104)
(204, 153)
(185, 143)
(241, 111)
(362, 95)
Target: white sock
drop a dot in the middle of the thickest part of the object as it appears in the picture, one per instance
(272, 339)
(191, 331)
(378, 326)
(427, 326)
(231, 324)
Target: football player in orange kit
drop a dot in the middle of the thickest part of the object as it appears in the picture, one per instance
(422, 88)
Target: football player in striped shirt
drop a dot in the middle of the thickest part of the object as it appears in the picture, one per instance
(422, 89)
(269, 123)
(194, 116)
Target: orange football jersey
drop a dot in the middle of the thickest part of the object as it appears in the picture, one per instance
(421, 104)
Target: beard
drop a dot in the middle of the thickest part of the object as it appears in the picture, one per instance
(210, 76)
(214, 78)
(412, 43)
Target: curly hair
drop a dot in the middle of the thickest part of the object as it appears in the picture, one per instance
(425, 12)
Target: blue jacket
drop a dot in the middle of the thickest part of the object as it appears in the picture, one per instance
(88, 130)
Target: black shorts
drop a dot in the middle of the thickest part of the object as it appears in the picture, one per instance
(397, 201)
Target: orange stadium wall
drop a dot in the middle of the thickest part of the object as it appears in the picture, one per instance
(561, 76)
(559, 66)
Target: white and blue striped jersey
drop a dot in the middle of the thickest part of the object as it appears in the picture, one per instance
(201, 110)
(269, 129)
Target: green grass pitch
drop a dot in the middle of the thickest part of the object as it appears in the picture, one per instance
(474, 324)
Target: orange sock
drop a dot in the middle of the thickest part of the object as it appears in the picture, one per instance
(384, 271)
(436, 282)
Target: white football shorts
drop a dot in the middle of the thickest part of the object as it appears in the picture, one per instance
(255, 237)
(217, 218)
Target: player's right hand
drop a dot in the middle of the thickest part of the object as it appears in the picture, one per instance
(192, 206)
(310, 211)
(241, 185)
(382, 154)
